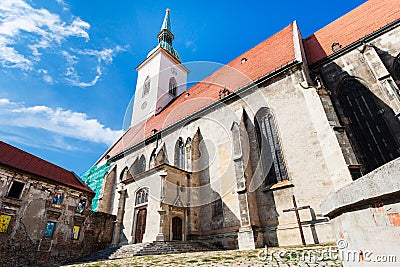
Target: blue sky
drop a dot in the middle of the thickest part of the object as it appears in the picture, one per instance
(67, 67)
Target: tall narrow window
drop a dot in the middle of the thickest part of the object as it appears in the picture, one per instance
(124, 174)
(152, 161)
(269, 147)
(366, 124)
(142, 196)
(180, 154)
(146, 86)
(188, 154)
(142, 164)
(172, 87)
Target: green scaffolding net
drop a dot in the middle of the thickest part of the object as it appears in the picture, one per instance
(93, 178)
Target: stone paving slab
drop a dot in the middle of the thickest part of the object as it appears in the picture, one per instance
(282, 257)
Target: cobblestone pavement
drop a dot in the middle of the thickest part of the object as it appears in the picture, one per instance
(282, 257)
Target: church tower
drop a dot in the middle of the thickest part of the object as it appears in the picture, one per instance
(161, 76)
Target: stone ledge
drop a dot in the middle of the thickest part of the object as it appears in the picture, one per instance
(279, 185)
(383, 181)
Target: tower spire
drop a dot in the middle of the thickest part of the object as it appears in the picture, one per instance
(165, 34)
(165, 37)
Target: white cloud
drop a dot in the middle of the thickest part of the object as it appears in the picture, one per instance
(28, 34)
(18, 18)
(60, 122)
(4, 101)
(106, 55)
(46, 77)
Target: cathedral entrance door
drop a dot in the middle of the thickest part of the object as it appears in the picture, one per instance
(177, 228)
(140, 225)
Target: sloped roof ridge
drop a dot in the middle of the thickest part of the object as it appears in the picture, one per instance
(47, 169)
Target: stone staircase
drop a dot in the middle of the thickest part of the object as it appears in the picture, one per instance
(149, 248)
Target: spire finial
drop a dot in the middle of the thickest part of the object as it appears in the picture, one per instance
(167, 21)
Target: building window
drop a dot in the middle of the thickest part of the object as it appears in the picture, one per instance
(138, 166)
(142, 164)
(16, 190)
(180, 154)
(81, 206)
(366, 123)
(142, 196)
(123, 174)
(269, 147)
(152, 162)
(188, 154)
(58, 199)
(146, 86)
(75, 232)
(4, 222)
(50, 226)
(172, 87)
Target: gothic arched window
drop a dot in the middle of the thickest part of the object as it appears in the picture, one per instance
(142, 196)
(138, 166)
(269, 147)
(146, 86)
(188, 153)
(152, 161)
(123, 174)
(172, 87)
(366, 124)
(180, 154)
(142, 164)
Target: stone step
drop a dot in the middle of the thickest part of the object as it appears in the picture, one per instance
(158, 248)
(147, 248)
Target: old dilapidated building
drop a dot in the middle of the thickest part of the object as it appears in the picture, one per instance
(45, 212)
(291, 118)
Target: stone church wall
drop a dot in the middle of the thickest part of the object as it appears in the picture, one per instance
(303, 130)
(372, 64)
(22, 240)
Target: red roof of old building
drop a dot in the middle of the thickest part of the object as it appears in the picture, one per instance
(273, 53)
(358, 23)
(21, 160)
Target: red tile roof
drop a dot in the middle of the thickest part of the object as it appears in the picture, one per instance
(21, 160)
(273, 53)
(361, 21)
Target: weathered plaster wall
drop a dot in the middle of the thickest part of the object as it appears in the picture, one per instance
(23, 244)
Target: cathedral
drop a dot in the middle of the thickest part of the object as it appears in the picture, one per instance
(244, 158)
